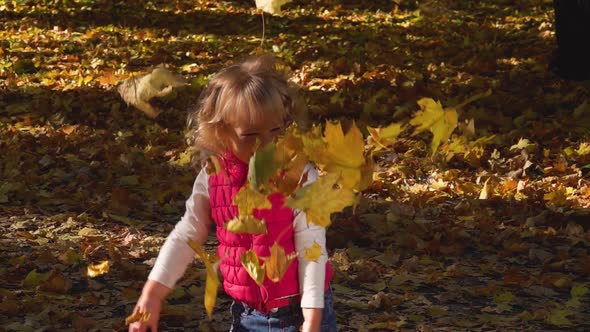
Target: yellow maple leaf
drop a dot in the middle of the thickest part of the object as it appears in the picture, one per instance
(322, 198)
(98, 269)
(246, 225)
(384, 137)
(251, 263)
(212, 282)
(289, 144)
(434, 118)
(247, 200)
(277, 264)
(559, 196)
(584, 149)
(291, 162)
(338, 152)
(314, 252)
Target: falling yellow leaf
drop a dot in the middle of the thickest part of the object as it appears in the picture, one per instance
(246, 225)
(384, 137)
(247, 200)
(314, 253)
(523, 143)
(434, 118)
(277, 264)
(291, 178)
(212, 283)
(98, 269)
(251, 263)
(137, 316)
(322, 198)
(278, 166)
(339, 153)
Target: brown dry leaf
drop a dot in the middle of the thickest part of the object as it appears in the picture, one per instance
(56, 283)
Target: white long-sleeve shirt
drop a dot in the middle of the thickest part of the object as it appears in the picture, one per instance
(175, 255)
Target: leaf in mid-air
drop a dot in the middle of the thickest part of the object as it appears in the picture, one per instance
(98, 269)
(263, 164)
(339, 153)
(322, 198)
(277, 263)
(384, 137)
(247, 200)
(251, 263)
(523, 143)
(292, 161)
(314, 252)
(246, 225)
(434, 118)
(212, 283)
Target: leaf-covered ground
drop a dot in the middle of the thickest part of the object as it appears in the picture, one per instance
(492, 233)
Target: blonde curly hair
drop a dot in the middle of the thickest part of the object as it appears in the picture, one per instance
(252, 89)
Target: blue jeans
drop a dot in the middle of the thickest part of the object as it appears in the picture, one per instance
(285, 319)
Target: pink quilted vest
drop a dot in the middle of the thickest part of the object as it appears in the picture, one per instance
(279, 222)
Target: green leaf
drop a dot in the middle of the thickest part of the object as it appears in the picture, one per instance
(34, 279)
(579, 290)
(503, 300)
(558, 317)
(262, 166)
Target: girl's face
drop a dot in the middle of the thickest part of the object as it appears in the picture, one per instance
(244, 134)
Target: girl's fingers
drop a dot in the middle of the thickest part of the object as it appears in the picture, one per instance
(134, 327)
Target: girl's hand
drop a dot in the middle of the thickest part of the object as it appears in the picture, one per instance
(150, 302)
(147, 304)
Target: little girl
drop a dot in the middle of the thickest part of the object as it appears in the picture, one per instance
(245, 103)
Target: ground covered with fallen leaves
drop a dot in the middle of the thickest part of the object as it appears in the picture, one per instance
(491, 232)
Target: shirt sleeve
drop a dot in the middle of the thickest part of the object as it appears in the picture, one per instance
(175, 255)
(312, 274)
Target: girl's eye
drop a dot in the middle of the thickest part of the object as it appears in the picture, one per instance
(274, 130)
(248, 138)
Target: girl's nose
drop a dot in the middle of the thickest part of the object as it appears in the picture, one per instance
(265, 139)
